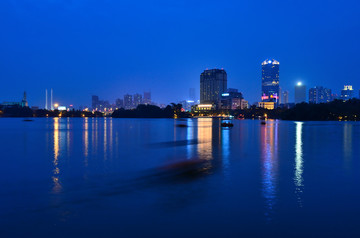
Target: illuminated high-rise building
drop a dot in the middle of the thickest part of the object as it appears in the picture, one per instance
(300, 93)
(347, 93)
(270, 90)
(128, 101)
(319, 95)
(213, 83)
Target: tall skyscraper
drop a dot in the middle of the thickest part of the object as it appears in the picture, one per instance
(300, 93)
(285, 97)
(213, 83)
(270, 90)
(319, 95)
(94, 102)
(128, 101)
(347, 93)
(119, 103)
(137, 99)
(147, 97)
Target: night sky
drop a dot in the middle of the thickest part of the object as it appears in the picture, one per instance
(109, 48)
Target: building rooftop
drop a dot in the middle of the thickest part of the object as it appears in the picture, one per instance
(270, 61)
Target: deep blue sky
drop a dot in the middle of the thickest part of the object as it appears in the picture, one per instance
(109, 48)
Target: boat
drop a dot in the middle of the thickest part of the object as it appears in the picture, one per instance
(227, 124)
(181, 125)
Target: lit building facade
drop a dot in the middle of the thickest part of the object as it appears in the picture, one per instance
(270, 90)
(267, 105)
(128, 101)
(347, 93)
(300, 93)
(147, 98)
(319, 95)
(232, 99)
(137, 99)
(213, 83)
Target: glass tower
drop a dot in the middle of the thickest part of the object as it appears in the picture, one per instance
(213, 83)
(270, 90)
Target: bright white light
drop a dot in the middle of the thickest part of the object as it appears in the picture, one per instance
(299, 84)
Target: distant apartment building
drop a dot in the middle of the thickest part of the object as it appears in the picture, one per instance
(137, 99)
(94, 102)
(147, 98)
(232, 99)
(347, 93)
(128, 101)
(285, 97)
(320, 94)
(300, 93)
(100, 105)
(119, 103)
(213, 83)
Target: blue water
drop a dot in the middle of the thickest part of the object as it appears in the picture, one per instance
(86, 177)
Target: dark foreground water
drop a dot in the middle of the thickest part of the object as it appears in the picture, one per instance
(126, 178)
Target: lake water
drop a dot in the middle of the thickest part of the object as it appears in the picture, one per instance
(84, 177)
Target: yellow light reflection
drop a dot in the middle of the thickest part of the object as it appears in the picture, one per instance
(105, 138)
(205, 138)
(56, 172)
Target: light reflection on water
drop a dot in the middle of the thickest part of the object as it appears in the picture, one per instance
(269, 158)
(205, 140)
(298, 176)
(56, 171)
(109, 169)
(347, 144)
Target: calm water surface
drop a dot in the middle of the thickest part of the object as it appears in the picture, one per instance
(86, 177)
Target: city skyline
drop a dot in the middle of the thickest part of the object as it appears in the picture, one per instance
(121, 52)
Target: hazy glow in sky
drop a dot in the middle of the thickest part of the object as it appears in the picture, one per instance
(110, 48)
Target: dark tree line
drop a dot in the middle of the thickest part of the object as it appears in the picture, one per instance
(151, 111)
(336, 110)
(332, 111)
(18, 111)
